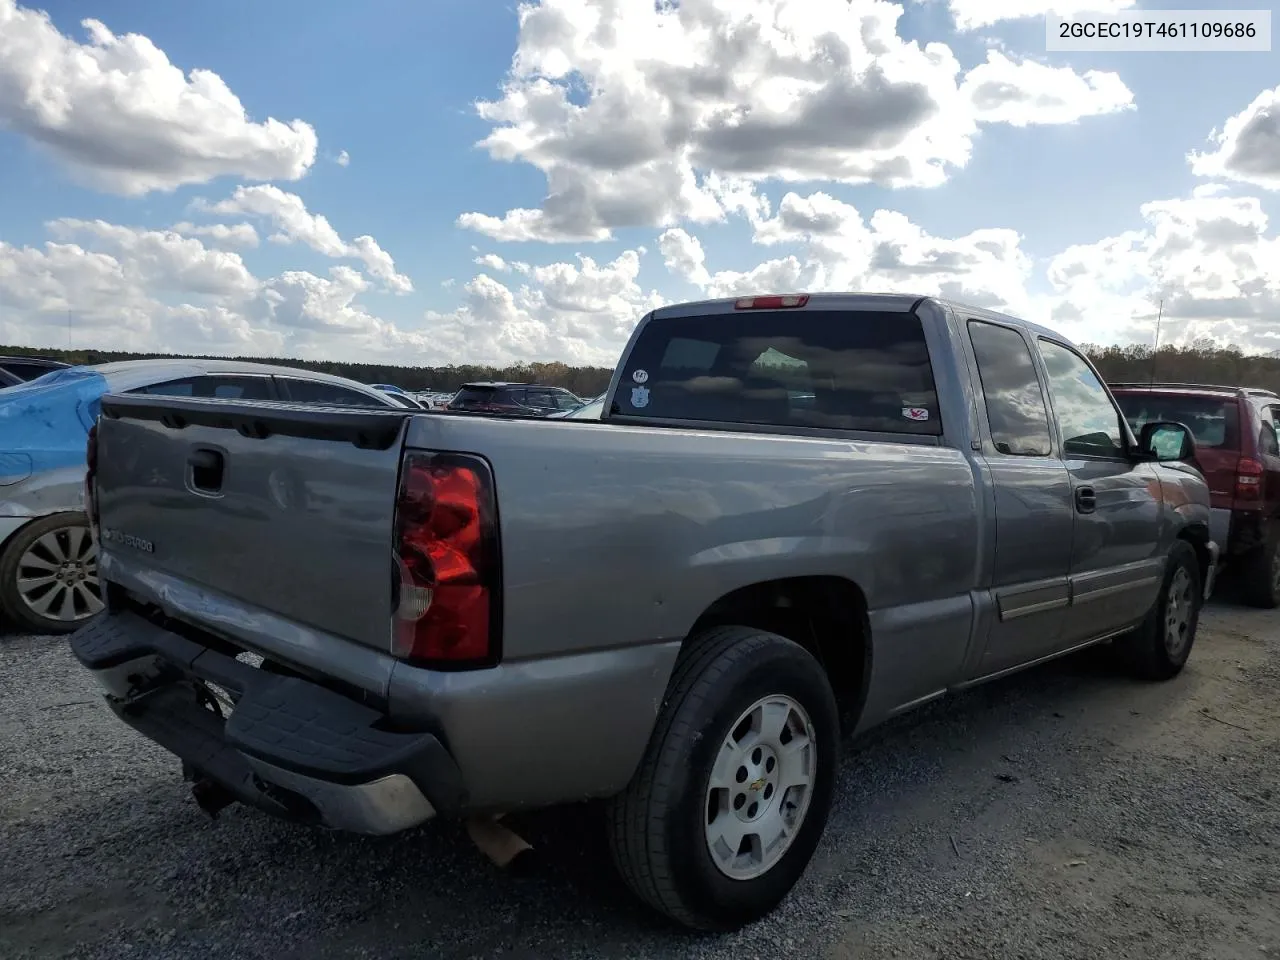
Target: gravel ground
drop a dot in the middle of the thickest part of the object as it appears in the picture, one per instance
(1063, 813)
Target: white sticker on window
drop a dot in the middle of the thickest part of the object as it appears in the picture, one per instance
(915, 413)
(640, 396)
(640, 376)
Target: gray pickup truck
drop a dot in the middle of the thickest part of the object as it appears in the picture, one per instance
(797, 517)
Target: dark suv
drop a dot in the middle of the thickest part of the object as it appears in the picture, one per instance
(1237, 451)
(513, 399)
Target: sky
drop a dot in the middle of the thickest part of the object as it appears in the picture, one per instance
(466, 181)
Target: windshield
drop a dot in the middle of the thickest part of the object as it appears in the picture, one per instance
(1213, 421)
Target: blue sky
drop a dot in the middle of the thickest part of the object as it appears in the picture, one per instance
(395, 85)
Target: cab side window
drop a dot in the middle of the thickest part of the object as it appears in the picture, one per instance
(1015, 403)
(1089, 420)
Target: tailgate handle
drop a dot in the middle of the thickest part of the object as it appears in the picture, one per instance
(206, 469)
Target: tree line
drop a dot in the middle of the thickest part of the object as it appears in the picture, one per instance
(1201, 362)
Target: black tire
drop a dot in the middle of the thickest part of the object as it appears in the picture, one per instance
(657, 826)
(1260, 580)
(18, 611)
(1146, 653)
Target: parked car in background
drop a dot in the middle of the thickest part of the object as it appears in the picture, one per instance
(520, 399)
(28, 368)
(799, 517)
(1238, 452)
(402, 399)
(590, 410)
(434, 400)
(48, 561)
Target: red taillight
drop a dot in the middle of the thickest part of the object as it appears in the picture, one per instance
(771, 303)
(1249, 479)
(448, 561)
(90, 475)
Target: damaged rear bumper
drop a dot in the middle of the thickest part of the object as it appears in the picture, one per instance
(290, 747)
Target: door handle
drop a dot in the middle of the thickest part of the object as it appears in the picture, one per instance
(1086, 499)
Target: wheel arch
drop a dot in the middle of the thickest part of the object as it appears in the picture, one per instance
(1197, 535)
(827, 615)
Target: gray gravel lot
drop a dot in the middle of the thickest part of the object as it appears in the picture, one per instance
(1063, 813)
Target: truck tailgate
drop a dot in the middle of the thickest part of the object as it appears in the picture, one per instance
(279, 507)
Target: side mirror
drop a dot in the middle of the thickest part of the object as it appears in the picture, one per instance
(1166, 440)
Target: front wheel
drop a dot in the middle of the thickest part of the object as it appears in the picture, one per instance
(733, 792)
(1159, 648)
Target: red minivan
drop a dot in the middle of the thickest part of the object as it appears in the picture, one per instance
(1238, 453)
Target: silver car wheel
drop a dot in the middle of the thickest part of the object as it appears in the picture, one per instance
(760, 786)
(58, 575)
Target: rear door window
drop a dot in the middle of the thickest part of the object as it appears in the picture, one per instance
(821, 369)
(329, 394)
(1213, 421)
(215, 386)
(1014, 399)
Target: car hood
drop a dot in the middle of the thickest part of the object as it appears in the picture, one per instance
(44, 422)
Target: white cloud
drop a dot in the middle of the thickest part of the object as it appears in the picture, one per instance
(224, 234)
(287, 213)
(643, 114)
(119, 286)
(1211, 260)
(577, 313)
(295, 224)
(343, 159)
(122, 295)
(972, 14)
(1025, 93)
(124, 118)
(841, 251)
(684, 256)
(158, 260)
(493, 262)
(1248, 146)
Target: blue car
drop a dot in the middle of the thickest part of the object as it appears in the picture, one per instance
(48, 560)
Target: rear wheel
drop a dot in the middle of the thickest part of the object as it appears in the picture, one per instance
(1159, 648)
(49, 574)
(1261, 579)
(733, 792)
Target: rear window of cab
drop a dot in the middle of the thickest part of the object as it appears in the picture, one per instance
(829, 370)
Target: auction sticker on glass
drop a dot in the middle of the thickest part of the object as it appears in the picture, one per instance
(1161, 31)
